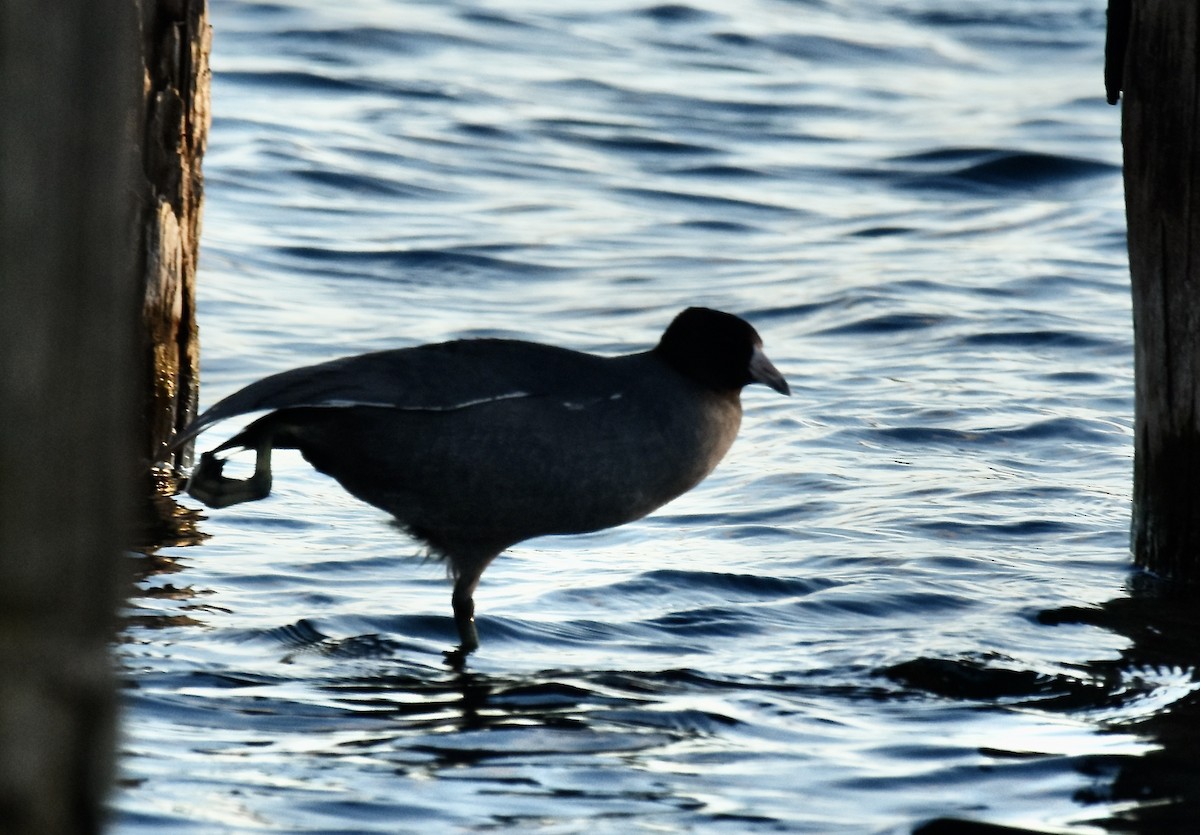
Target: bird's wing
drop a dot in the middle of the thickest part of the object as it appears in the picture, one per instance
(440, 377)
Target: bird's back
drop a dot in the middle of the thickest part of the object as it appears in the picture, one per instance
(436, 377)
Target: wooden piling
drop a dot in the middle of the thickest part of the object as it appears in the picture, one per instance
(1152, 58)
(104, 120)
(68, 403)
(176, 41)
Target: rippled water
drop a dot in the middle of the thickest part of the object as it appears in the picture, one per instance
(888, 605)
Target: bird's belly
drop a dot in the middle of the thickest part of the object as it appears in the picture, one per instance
(453, 477)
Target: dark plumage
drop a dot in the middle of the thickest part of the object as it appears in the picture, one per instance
(478, 444)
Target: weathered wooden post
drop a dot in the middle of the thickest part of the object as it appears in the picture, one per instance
(104, 118)
(176, 40)
(1153, 57)
(68, 411)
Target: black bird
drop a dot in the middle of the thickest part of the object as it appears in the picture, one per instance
(478, 444)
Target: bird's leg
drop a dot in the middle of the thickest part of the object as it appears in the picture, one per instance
(466, 571)
(463, 601)
(211, 487)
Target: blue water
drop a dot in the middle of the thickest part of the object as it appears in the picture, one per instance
(886, 607)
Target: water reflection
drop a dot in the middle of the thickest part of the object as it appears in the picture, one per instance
(162, 521)
(163, 524)
(1153, 692)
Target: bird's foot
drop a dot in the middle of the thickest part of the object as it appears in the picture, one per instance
(209, 485)
(456, 659)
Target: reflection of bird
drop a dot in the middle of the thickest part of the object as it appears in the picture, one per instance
(478, 444)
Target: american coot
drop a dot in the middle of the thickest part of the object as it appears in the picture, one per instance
(478, 444)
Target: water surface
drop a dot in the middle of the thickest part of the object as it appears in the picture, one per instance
(894, 602)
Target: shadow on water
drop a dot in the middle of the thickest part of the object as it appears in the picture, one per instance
(1152, 692)
(1162, 622)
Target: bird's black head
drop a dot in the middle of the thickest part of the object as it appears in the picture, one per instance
(718, 350)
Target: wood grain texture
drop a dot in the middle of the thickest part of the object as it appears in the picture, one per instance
(176, 42)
